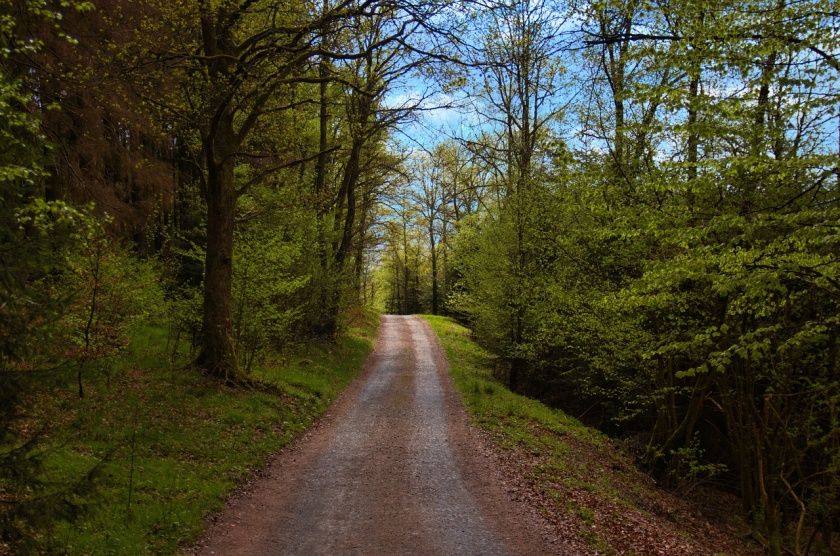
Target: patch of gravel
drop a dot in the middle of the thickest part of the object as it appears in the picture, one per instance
(393, 468)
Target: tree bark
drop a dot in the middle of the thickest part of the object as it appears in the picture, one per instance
(433, 248)
(327, 322)
(348, 189)
(218, 356)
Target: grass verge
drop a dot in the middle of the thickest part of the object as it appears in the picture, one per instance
(136, 465)
(586, 486)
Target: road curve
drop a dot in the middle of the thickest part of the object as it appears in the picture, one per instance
(393, 469)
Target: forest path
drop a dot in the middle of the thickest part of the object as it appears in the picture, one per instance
(393, 468)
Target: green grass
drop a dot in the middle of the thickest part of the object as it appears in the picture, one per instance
(575, 470)
(523, 420)
(566, 456)
(135, 466)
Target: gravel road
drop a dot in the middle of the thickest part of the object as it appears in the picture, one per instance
(394, 468)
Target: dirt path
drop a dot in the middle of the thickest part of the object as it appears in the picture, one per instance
(394, 468)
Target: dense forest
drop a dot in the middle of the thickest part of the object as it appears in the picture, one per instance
(634, 204)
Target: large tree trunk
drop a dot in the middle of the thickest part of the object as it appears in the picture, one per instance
(348, 191)
(219, 143)
(218, 356)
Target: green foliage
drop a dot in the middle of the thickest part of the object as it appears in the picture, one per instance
(136, 466)
(691, 467)
(491, 404)
(113, 290)
(676, 280)
(20, 167)
(268, 279)
(568, 463)
(668, 270)
(44, 240)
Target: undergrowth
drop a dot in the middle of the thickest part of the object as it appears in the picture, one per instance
(572, 468)
(154, 446)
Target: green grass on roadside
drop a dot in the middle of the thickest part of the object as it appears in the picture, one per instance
(521, 419)
(136, 465)
(567, 455)
(575, 470)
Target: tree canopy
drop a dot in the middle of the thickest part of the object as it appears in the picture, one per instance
(632, 204)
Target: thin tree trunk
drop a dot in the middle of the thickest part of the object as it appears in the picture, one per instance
(348, 187)
(327, 323)
(434, 273)
(693, 145)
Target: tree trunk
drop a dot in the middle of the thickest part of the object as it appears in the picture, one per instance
(693, 146)
(218, 356)
(433, 248)
(404, 308)
(327, 322)
(348, 189)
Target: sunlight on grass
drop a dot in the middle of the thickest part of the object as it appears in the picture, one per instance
(489, 401)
